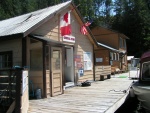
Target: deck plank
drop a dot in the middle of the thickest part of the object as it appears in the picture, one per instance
(102, 96)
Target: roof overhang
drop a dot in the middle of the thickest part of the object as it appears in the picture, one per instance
(108, 47)
(13, 36)
(46, 39)
(121, 52)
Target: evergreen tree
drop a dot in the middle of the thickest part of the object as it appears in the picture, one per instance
(133, 20)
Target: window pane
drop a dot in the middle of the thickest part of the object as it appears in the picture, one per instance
(124, 43)
(56, 59)
(5, 60)
(146, 71)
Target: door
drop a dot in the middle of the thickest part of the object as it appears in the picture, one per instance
(56, 65)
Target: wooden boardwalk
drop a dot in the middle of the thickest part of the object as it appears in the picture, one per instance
(101, 97)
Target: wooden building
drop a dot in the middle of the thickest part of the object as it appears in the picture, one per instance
(112, 49)
(55, 62)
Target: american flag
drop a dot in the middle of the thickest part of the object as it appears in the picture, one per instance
(83, 30)
(83, 27)
(88, 23)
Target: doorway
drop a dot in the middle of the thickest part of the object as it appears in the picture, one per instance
(56, 67)
(69, 68)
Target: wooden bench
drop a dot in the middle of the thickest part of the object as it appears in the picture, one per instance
(102, 76)
(102, 72)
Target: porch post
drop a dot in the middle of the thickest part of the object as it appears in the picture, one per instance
(44, 71)
(24, 51)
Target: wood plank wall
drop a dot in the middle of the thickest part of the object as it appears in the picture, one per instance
(15, 46)
(51, 30)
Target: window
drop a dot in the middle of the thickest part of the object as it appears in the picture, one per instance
(121, 42)
(124, 43)
(115, 56)
(146, 71)
(87, 57)
(123, 60)
(111, 56)
(6, 60)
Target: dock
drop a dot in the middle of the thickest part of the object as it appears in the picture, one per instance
(101, 97)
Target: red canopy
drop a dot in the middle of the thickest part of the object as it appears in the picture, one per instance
(145, 55)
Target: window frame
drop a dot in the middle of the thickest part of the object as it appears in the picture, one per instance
(120, 42)
(115, 57)
(111, 56)
(144, 78)
(2, 66)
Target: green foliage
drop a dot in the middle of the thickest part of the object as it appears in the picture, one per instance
(134, 21)
(11, 8)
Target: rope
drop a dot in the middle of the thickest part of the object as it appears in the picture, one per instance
(124, 91)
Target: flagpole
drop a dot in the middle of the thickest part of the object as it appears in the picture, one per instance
(75, 7)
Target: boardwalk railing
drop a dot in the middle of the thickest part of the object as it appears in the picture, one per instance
(10, 90)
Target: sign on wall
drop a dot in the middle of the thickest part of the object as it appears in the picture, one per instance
(24, 80)
(99, 59)
(87, 60)
(81, 72)
(78, 63)
(68, 38)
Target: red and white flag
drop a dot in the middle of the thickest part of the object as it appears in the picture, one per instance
(65, 26)
(83, 27)
(83, 30)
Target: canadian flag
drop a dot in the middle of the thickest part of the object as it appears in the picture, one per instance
(65, 27)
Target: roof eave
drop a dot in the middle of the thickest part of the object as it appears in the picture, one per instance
(6, 37)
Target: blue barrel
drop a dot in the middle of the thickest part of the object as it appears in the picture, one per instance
(38, 93)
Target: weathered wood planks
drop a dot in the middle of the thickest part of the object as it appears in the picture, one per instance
(100, 97)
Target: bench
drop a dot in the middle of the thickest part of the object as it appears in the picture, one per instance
(104, 76)
(102, 72)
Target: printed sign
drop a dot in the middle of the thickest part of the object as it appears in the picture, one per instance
(81, 72)
(79, 65)
(87, 65)
(68, 38)
(24, 80)
(99, 59)
(87, 60)
(87, 56)
(77, 58)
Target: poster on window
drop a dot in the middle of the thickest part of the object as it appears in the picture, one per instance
(87, 57)
(87, 65)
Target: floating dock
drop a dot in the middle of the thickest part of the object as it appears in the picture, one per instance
(101, 97)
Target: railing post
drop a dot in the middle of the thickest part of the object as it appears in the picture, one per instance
(18, 90)
(10, 83)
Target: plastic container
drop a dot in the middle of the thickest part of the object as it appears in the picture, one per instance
(38, 93)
